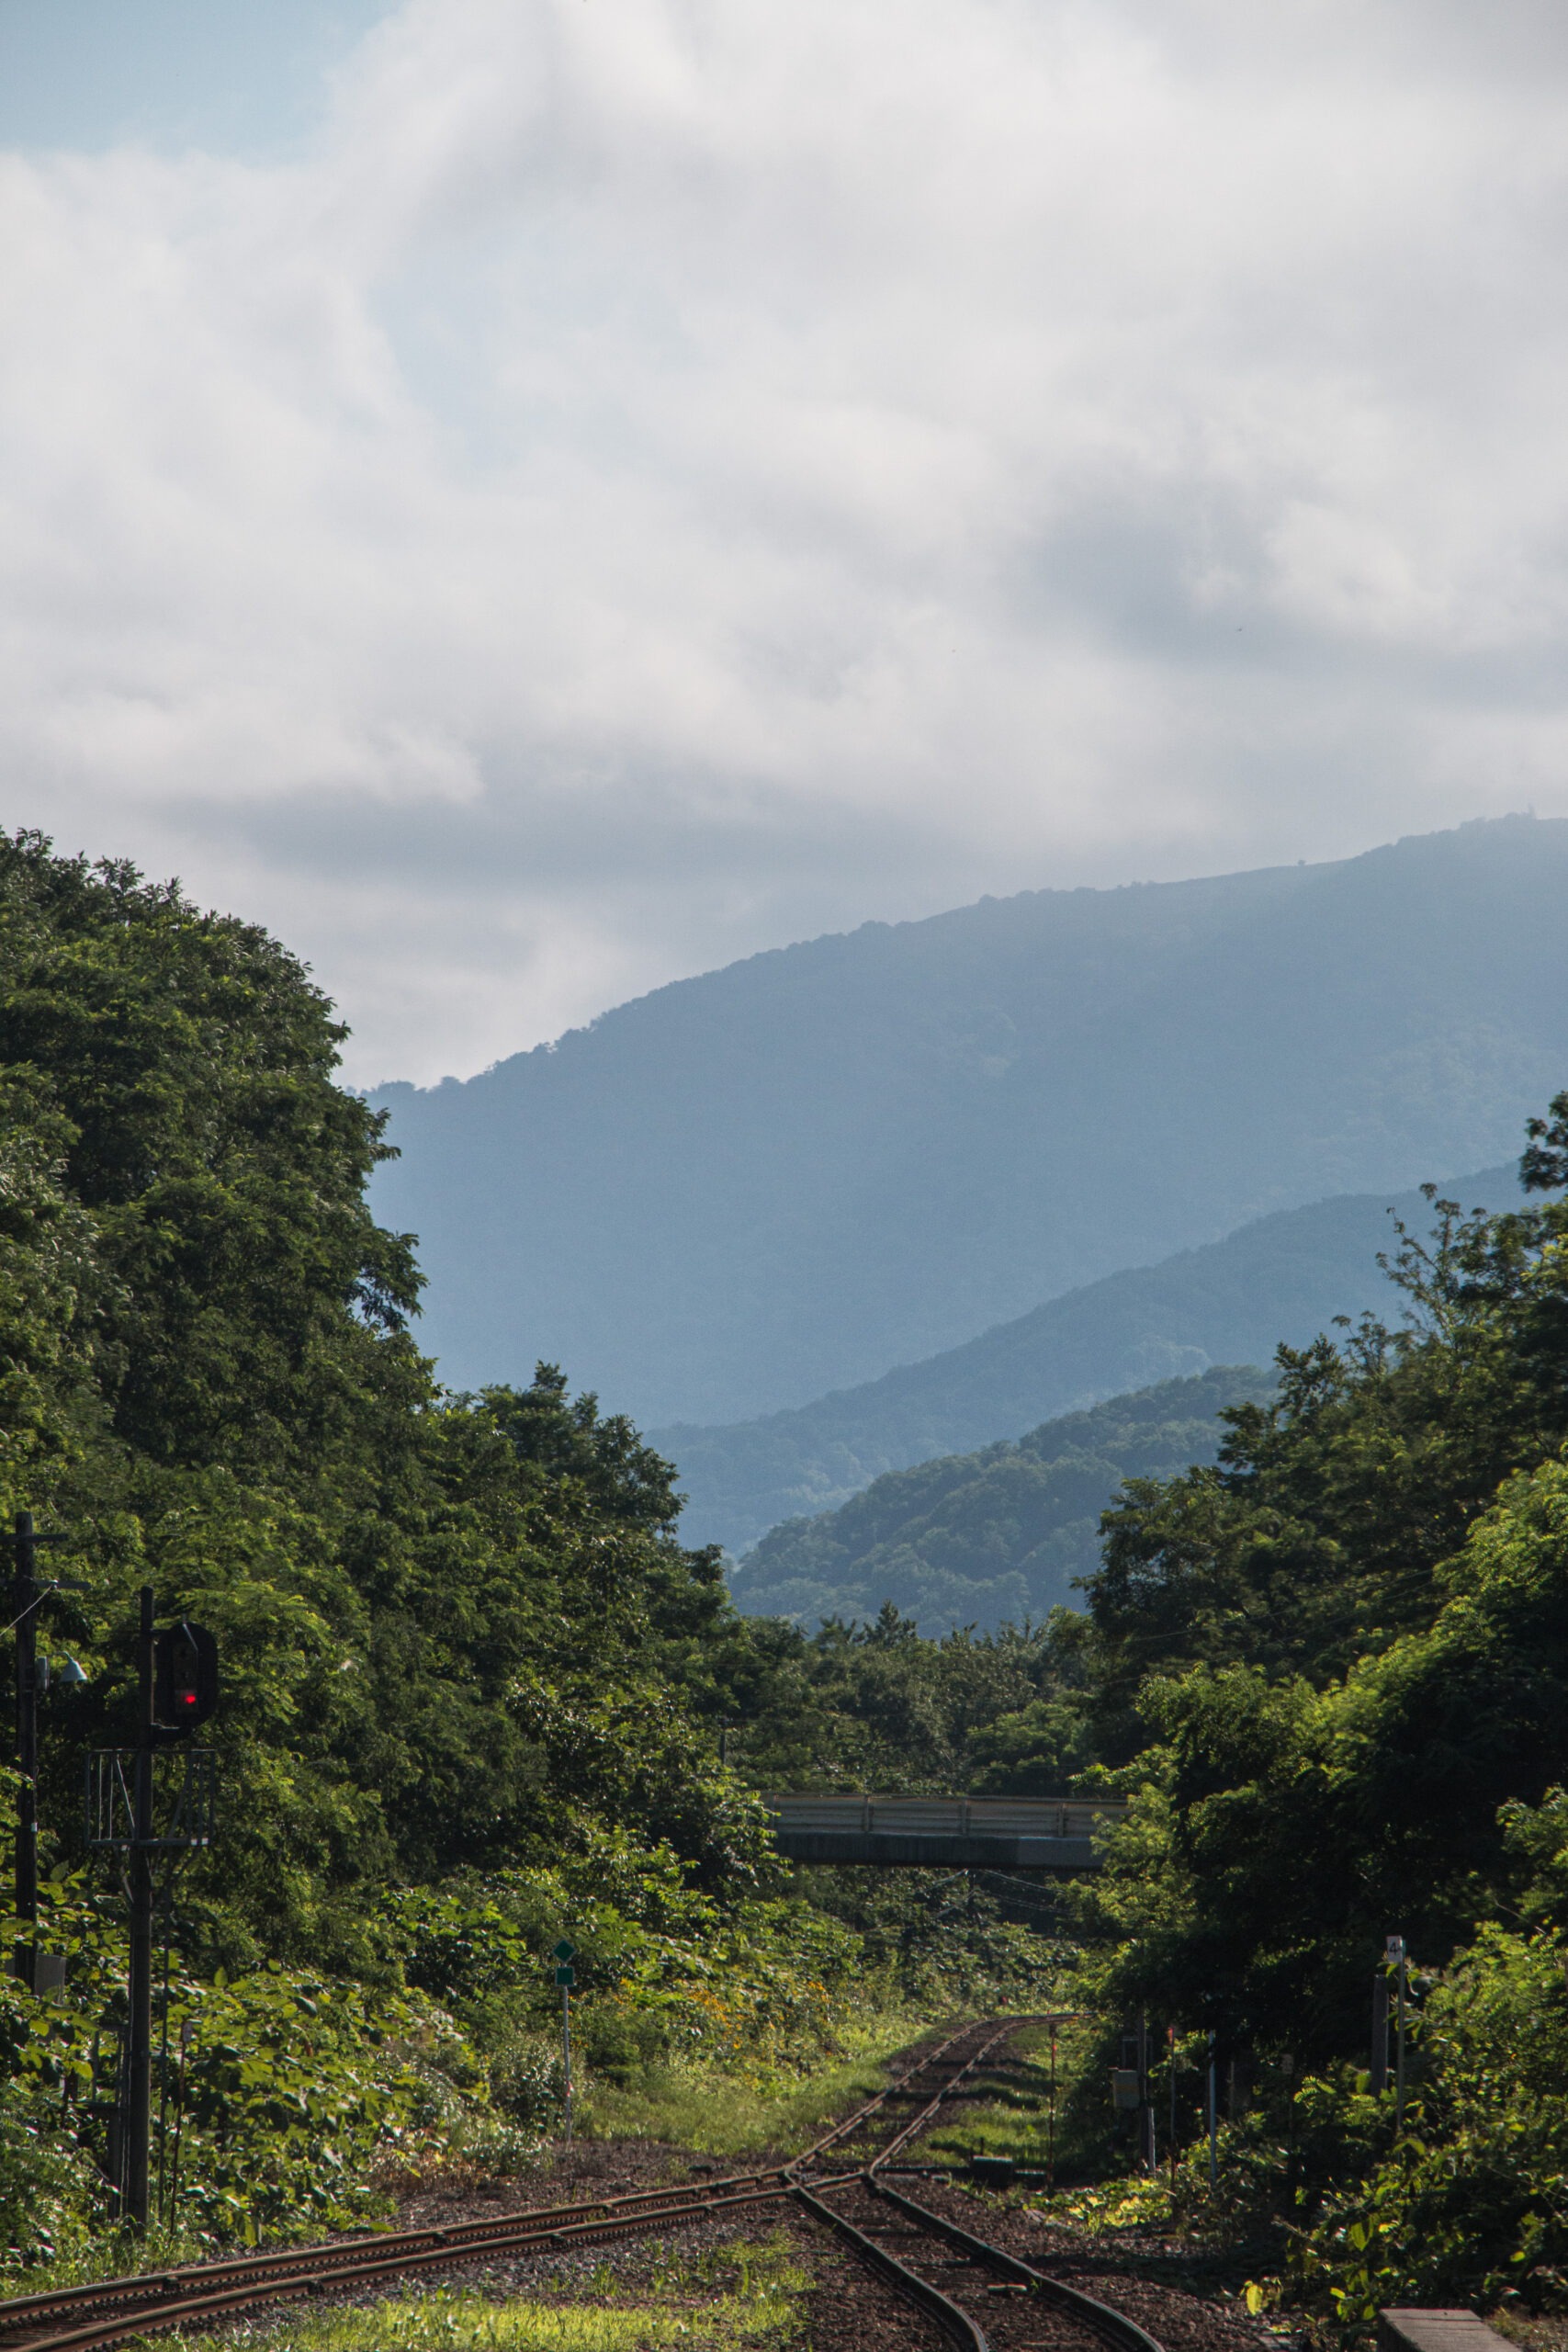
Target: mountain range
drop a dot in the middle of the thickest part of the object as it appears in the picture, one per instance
(1002, 1534)
(1280, 1278)
(771, 1181)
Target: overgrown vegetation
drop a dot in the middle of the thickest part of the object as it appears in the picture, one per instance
(478, 1696)
(1332, 1671)
(475, 1687)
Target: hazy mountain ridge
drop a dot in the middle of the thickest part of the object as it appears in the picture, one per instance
(779, 1179)
(1282, 1277)
(994, 1535)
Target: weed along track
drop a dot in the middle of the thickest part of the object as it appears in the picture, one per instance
(975, 2294)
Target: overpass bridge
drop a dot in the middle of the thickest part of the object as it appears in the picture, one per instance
(950, 1833)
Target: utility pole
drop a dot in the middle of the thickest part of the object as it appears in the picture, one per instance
(1051, 2128)
(1396, 1960)
(24, 1609)
(566, 2055)
(25, 1595)
(1147, 2155)
(140, 2052)
(566, 1977)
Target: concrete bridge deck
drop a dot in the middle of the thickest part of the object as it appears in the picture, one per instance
(953, 1833)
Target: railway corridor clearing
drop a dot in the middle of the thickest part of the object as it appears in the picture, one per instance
(951, 2286)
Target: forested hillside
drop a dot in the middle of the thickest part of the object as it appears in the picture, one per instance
(780, 1179)
(998, 1536)
(1282, 1278)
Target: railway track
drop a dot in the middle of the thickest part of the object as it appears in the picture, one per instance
(980, 2297)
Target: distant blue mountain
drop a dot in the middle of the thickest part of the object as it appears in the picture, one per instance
(999, 1535)
(1284, 1277)
(779, 1179)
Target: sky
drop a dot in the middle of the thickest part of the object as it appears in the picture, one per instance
(530, 499)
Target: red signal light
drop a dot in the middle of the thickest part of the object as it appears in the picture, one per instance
(185, 1677)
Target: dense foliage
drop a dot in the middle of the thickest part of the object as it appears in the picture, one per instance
(432, 1609)
(1335, 1664)
(474, 1688)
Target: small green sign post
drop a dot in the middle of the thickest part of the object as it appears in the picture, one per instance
(566, 1977)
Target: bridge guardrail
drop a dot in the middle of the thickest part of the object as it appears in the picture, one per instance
(939, 1816)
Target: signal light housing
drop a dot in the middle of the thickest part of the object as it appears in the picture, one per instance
(184, 1676)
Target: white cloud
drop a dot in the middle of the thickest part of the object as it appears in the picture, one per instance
(661, 477)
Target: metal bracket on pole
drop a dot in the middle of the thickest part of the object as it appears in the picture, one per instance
(184, 1798)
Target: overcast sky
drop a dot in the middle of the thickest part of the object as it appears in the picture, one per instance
(531, 498)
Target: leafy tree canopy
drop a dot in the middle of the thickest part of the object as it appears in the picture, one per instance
(1337, 1659)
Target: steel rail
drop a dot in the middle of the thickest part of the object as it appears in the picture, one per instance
(896, 2089)
(410, 2245)
(961, 2326)
(310, 2279)
(951, 2316)
(147, 2299)
(917, 2123)
(1111, 2327)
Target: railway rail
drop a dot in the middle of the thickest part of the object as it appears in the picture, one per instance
(957, 2278)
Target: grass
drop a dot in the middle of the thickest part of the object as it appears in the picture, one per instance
(743, 2297)
(717, 2113)
(114, 2254)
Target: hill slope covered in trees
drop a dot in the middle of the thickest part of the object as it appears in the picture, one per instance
(780, 1179)
(998, 1535)
(1282, 1278)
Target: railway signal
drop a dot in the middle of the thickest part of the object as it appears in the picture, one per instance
(177, 1688)
(185, 1676)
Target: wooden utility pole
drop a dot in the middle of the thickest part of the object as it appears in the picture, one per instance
(139, 2105)
(27, 1596)
(25, 1599)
